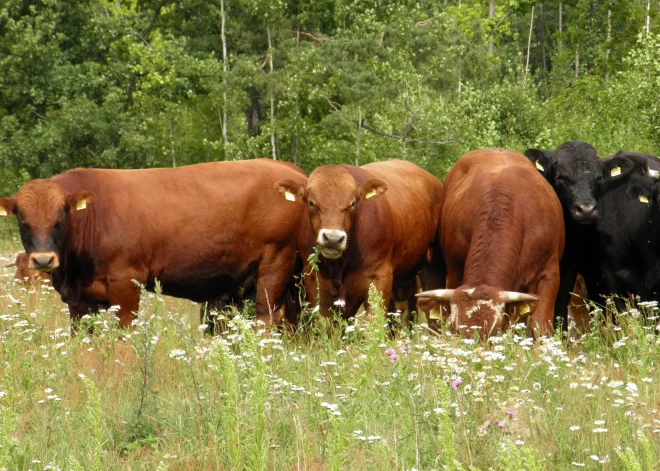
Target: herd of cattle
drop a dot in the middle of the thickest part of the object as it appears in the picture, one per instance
(502, 241)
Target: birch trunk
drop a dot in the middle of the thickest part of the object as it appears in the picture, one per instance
(224, 72)
(272, 98)
(529, 44)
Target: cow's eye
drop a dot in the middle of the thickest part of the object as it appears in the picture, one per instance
(311, 204)
(353, 205)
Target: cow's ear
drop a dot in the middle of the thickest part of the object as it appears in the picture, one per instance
(372, 189)
(80, 200)
(616, 167)
(540, 159)
(7, 206)
(290, 189)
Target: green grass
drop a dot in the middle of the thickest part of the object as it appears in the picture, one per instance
(164, 396)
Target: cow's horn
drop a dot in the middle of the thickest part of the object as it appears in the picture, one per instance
(444, 294)
(655, 174)
(515, 297)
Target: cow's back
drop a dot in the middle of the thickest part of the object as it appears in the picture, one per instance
(410, 208)
(498, 213)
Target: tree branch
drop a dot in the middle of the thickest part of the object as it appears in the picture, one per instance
(370, 128)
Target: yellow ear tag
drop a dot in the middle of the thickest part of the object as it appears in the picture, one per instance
(524, 309)
(436, 313)
(3, 212)
(615, 171)
(289, 196)
(80, 205)
(371, 194)
(539, 166)
(643, 199)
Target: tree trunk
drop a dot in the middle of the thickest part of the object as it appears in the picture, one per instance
(491, 38)
(172, 144)
(607, 52)
(272, 97)
(577, 60)
(224, 72)
(253, 113)
(357, 147)
(648, 18)
(529, 44)
(543, 61)
(560, 26)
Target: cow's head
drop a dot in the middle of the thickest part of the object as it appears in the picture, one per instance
(486, 308)
(42, 208)
(631, 188)
(574, 171)
(331, 194)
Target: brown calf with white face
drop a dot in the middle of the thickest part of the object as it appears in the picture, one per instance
(502, 236)
(200, 230)
(373, 224)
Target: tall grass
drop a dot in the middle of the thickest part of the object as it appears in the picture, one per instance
(163, 395)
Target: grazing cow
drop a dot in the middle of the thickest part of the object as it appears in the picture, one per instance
(200, 230)
(502, 236)
(628, 241)
(24, 273)
(573, 170)
(373, 224)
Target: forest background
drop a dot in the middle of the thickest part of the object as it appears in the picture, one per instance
(145, 83)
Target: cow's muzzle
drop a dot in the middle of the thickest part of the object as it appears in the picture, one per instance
(585, 213)
(43, 261)
(332, 242)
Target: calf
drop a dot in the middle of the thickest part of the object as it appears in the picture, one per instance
(502, 236)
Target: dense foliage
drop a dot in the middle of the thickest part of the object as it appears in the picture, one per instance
(142, 83)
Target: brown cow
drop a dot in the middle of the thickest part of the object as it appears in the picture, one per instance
(373, 224)
(200, 230)
(502, 236)
(24, 273)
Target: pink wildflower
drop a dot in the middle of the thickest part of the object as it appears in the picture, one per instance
(456, 383)
(501, 424)
(511, 413)
(394, 357)
(389, 351)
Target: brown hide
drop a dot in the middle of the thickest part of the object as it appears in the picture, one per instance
(502, 229)
(200, 230)
(24, 273)
(388, 231)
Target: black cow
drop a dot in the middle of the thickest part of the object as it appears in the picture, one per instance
(574, 171)
(236, 298)
(629, 228)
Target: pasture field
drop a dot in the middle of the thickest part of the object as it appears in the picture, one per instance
(165, 396)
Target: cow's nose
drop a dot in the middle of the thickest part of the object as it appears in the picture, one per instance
(43, 261)
(333, 237)
(585, 211)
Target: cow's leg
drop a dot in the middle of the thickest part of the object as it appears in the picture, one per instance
(541, 319)
(124, 292)
(568, 275)
(81, 308)
(382, 280)
(275, 274)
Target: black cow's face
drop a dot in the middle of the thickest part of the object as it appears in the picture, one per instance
(630, 193)
(41, 207)
(574, 171)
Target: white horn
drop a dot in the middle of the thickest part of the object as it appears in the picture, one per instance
(515, 297)
(655, 174)
(444, 294)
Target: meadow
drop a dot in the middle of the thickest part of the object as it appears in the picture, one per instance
(163, 395)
